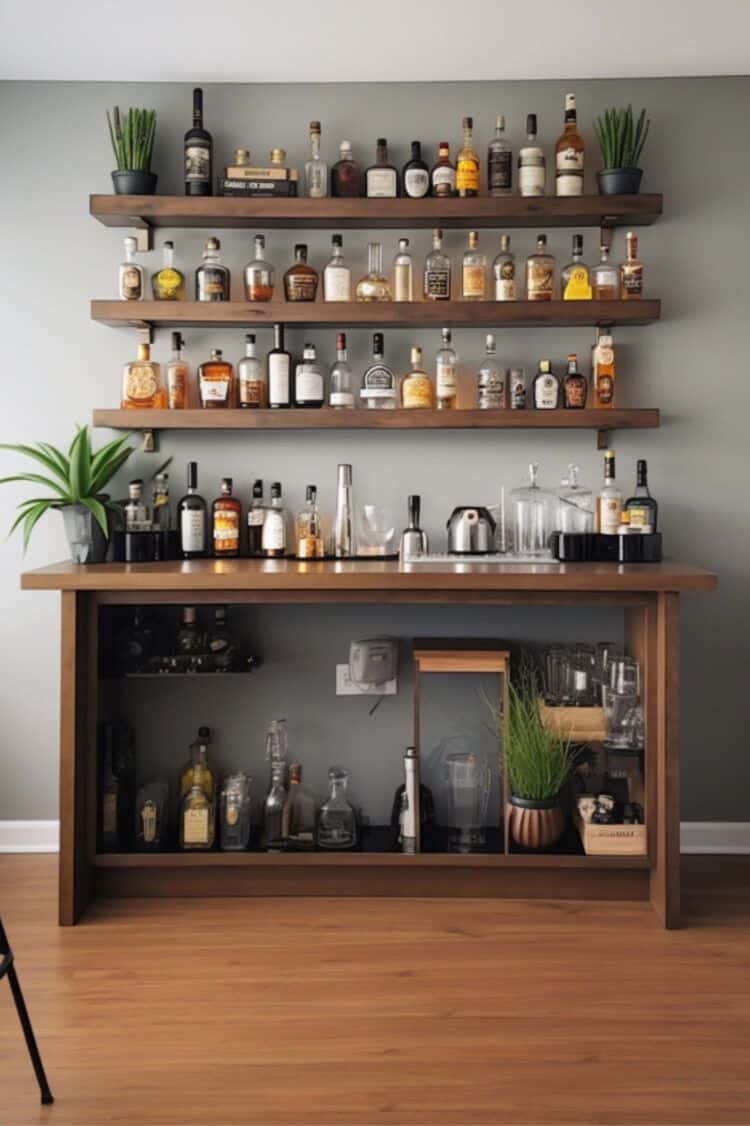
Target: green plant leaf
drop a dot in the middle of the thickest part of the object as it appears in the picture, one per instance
(24, 510)
(80, 464)
(97, 509)
(37, 479)
(31, 518)
(41, 456)
(108, 469)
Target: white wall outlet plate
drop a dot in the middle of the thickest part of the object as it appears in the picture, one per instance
(345, 686)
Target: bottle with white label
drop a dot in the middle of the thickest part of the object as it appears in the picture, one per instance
(504, 272)
(491, 379)
(532, 169)
(446, 378)
(191, 518)
(378, 382)
(569, 154)
(403, 273)
(381, 178)
(337, 277)
(546, 391)
(279, 372)
(273, 542)
(609, 501)
(309, 380)
(341, 393)
(416, 174)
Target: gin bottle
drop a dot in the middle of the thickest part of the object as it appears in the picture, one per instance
(378, 382)
(316, 169)
(341, 393)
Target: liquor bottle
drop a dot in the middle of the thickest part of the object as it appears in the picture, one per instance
(378, 382)
(251, 378)
(215, 380)
(403, 273)
(343, 521)
(130, 275)
(116, 758)
(189, 640)
(273, 810)
(491, 379)
(631, 271)
(374, 286)
(446, 378)
(546, 388)
(474, 271)
(273, 539)
(415, 177)
(575, 386)
(308, 528)
(221, 644)
(603, 373)
(309, 380)
(414, 540)
(517, 388)
(609, 500)
(575, 281)
(136, 644)
(191, 518)
(443, 174)
(256, 514)
(226, 521)
(381, 178)
(298, 814)
(234, 813)
(337, 277)
(340, 389)
(540, 272)
(161, 513)
(345, 174)
(137, 517)
(569, 153)
(499, 161)
(141, 383)
(417, 389)
(151, 816)
(300, 280)
(198, 771)
(605, 278)
(532, 169)
(467, 164)
(168, 283)
(337, 821)
(316, 169)
(437, 271)
(504, 272)
(212, 279)
(178, 375)
(279, 372)
(198, 152)
(258, 274)
(642, 509)
(197, 822)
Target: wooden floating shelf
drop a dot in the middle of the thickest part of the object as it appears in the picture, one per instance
(362, 860)
(508, 211)
(371, 314)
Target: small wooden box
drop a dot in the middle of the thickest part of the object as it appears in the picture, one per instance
(581, 725)
(612, 840)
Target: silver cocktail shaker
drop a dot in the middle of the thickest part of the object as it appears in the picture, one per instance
(343, 536)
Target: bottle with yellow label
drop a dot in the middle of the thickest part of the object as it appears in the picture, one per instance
(197, 771)
(575, 280)
(467, 164)
(603, 373)
(474, 271)
(141, 383)
(197, 822)
(417, 389)
(168, 284)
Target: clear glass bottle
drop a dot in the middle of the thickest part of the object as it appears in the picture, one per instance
(277, 748)
(298, 816)
(256, 514)
(446, 373)
(532, 515)
(374, 286)
(631, 271)
(499, 161)
(546, 388)
(300, 280)
(378, 389)
(491, 379)
(215, 382)
(605, 278)
(517, 389)
(569, 154)
(417, 388)
(316, 169)
(416, 175)
(161, 513)
(234, 813)
(226, 521)
(340, 387)
(137, 516)
(309, 380)
(609, 500)
(308, 528)
(279, 363)
(641, 507)
(252, 381)
(273, 539)
(474, 271)
(273, 810)
(197, 822)
(403, 273)
(337, 821)
(443, 174)
(168, 283)
(575, 504)
(192, 518)
(178, 376)
(575, 280)
(258, 274)
(575, 386)
(141, 383)
(345, 174)
(532, 169)
(130, 285)
(467, 163)
(437, 271)
(212, 279)
(337, 277)
(603, 373)
(381, 178)
(504, 272)
(540, 272)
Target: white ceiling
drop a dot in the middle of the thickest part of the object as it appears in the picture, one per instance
(374, 40)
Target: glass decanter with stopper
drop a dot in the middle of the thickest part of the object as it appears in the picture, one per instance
(337, 821)
(374, 286)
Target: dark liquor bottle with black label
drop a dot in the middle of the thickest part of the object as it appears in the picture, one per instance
(641, 507)
(198, 152)
(416, 174)
(191, 518)
(256, 514)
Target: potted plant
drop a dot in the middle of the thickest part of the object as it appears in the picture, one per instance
(132, 137)
(77, 482)
(621, 142)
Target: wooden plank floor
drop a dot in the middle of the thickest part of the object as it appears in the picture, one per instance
(189, 1013)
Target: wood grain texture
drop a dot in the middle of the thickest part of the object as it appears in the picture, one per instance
(380, 1013)
(75, 869)
(665, 876)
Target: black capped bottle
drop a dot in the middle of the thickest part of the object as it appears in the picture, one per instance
(191, 518)
(279, 372)
(256, 514)
(416, 174)
(198, 152)
(273, 540)
(642, 509)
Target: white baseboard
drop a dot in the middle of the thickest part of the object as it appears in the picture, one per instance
(29, 836)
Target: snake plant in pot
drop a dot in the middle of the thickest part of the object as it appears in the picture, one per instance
(621, 140)
(132, 136)
(76, 482)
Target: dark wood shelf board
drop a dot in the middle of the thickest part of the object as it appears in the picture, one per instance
(361, 860)
(485, 211)
(370, 314)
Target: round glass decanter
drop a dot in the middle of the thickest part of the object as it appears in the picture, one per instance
(374, 286)
(337, 821)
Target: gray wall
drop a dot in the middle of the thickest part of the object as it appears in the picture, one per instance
(59, 365)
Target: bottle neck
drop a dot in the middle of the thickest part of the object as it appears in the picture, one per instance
(468, 137)
(531, 139)
(210, 257)
(177, 355)
(168, 257)
(129, 255)
(341, 355)
(374, 258)
(315, 145)
(250, 349)
(381, 154)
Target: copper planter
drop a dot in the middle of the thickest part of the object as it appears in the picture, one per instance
(535, 824)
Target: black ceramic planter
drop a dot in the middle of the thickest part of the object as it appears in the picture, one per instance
(131, 182)
(619, 181)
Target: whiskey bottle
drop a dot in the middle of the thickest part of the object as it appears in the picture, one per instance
(575, 282)
(345, 174)
(446, 377)
(569, 154)
(532, 170)
(546, 388)
(191, 518)
(437, 271)
(416, 175)
(215, 381)
(309, 380)
(251, 378)
(178, 374)
(631, 271)
(504, 272)
(603, 373)
(137, 517)
(279, 372)
(575, 386)
(273, 538)
(540, 272)
(256, 514)
(316, 169)
(642, 509)
(605, 278)
(491, 379)
(403, 273)
(116, 786)
(443, 174)
(141, 383)
(417, 390)
(374, 286)
(340, 389)
(337, 277)
(189, 640)
(474, 271)
(197, 820)
(499, 161)
(198, 152)
(517, 389)
(130, 275)
(300, 280)
(212, 278)
(609, 500)
(381, 178)
(298, 814)
(467, 164)
(378, 382)
(226, 520)
(234, 813)
(161, 513)
(308, 528)
(259, 274)
(197, 771)
(337, 821)
(168, 283)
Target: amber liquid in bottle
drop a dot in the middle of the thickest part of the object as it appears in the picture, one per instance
(603, 377)
(300, 280)
(226, 518)
(141, 383)
(215, 378)
(631, 271)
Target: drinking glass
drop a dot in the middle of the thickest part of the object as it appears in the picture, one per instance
(468, 780)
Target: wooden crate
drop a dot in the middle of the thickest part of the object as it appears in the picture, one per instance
(612, 840)
(581, 725)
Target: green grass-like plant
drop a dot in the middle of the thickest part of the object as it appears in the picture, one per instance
(621, 139)
(538, 761)
(132, 136)
(78, 478)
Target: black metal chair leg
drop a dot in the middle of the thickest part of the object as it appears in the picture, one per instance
(23, 1016)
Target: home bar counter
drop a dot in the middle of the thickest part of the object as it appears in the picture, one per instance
(648, 595)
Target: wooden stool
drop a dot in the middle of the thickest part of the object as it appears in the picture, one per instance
(7, 967)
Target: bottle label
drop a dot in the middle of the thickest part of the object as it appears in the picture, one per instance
(417, 391)
(176, 379)
(214, 390)
(341, 399)
(539, 281)
(212, 284)
(252, 392)
(531, 174)
(610, 509)
(255, 517)
(197, 162)
(416, 182)
(575, 391)
(141, 381)
(274, 531)
(227, 531)
(546, 389)
(381, 183)
(517, 395)
(337, 283)
(303, 287)
(605, 390)
(308, 385)
(378, 382)
(474, 278)
(437, 284)
(402, 282)
(278, 378)
(632, 281)
(569, 172)
(505, 289)
(467, 175)
(195, 826)
(192, 530)
(500, 171)
(168, 282)
(578, 287)
(446, 381)
(640, 518)
(131, 283)
(443, 179)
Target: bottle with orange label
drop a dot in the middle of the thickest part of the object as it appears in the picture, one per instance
(467, 163)
(141, 383)
(603, 373)
(226, 514)
(177, 376)
(417, 389)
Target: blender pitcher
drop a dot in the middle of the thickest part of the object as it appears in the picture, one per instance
(468, 780)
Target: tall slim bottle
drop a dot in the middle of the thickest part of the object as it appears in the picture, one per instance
(191, 518)
(532, 170)
(467, 163)
(569, 154)
(198, 152)
(343, 534)
(279, 372)
(256, 514)
(609, 501)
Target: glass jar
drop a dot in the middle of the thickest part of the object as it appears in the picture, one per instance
(337, 821)
(531, 515)
(575, 504)
(234, 813)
